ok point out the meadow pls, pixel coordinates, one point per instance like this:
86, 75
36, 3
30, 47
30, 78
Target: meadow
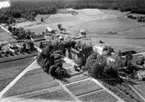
97, 23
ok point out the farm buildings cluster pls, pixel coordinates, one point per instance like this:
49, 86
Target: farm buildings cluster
74, 48
16, 48
80, 52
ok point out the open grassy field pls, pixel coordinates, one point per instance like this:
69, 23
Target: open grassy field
97, 23
73, 22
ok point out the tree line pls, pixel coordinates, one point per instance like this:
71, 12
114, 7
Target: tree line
21, 33
29, 9
16, 49
138, 18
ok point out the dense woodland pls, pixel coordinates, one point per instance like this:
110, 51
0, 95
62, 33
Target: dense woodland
29, 9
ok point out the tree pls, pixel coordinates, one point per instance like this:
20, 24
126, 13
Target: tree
41, 45
59, 26
96, 70
10, 28
42, 20
90, 61
31, 45
81, 60
24, 47
50, 59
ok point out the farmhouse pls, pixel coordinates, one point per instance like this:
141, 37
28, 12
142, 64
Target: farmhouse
98, 49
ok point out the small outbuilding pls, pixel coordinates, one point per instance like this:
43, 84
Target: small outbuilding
50, 30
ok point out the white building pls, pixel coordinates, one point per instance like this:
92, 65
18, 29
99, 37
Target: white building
48, 29
98, 49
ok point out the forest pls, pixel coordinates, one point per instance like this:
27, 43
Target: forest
29, 9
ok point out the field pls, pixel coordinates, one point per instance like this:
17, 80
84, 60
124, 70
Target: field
140, 88
9, 70
98, 24
101, 96
83, 87
37, 85
5, 37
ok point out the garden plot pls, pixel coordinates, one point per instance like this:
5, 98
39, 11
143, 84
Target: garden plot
140, 88
53, 94
100, 96
17, 63
56, 95
83, 87
36, 84
33, 80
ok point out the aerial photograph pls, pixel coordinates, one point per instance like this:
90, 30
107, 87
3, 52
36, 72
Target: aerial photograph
72, 50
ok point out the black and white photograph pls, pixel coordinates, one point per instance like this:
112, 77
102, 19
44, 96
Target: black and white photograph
72, 50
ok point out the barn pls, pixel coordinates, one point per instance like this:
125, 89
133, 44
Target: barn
98, 49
